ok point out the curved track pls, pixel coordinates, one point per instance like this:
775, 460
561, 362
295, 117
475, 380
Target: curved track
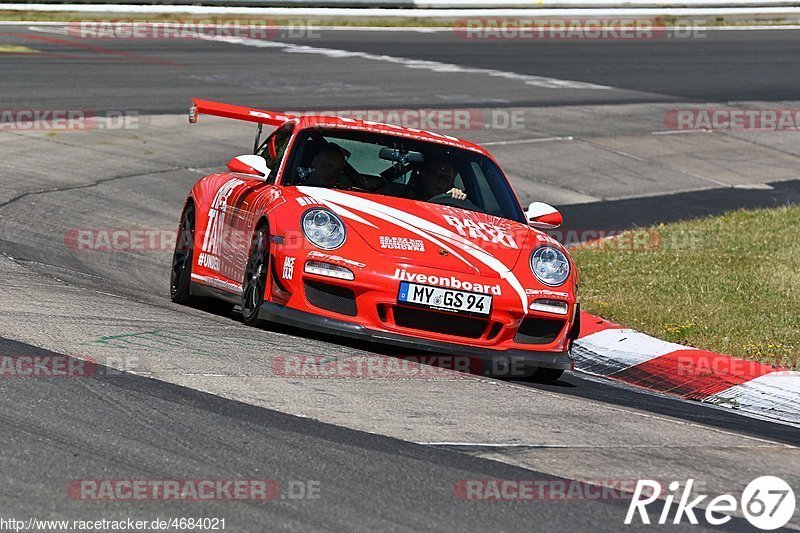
198, 397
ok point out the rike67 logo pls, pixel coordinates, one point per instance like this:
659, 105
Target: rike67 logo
768, 503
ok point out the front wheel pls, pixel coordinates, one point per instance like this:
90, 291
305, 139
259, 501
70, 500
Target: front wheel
255, 276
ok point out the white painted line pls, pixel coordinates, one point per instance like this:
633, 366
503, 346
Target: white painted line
423, 29
493, 445
620, 152
704, 178
57, 31
405, 12
754, 186
528, 141
604, 4
432, 66
751, 28
679, 132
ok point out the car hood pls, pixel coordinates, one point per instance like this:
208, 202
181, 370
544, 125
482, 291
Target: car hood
426, 234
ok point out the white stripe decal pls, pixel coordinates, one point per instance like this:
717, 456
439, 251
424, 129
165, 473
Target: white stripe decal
398, 217
346, 213
218, 282
625, 348
406, 226
500, 268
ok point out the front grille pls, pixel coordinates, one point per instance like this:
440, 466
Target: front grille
538, 331
444, 323
331, 297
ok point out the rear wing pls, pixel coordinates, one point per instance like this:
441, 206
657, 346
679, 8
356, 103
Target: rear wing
207, 107
237, 112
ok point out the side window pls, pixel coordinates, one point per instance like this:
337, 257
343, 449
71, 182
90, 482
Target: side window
274, 148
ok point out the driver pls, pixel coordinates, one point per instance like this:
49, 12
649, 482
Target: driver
326, 167
438, 177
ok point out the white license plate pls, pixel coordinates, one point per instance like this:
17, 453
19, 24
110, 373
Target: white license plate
445, 299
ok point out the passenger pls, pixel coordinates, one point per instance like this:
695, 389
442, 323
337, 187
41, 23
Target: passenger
438, 178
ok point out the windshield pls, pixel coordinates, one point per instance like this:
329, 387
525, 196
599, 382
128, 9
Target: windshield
394, 166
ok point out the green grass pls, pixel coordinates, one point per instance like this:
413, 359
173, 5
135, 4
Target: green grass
410, 21
729, 284
66, 16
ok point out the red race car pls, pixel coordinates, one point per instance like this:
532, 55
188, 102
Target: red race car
380, 232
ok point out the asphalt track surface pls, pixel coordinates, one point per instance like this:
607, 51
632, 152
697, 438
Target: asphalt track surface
127, 426
161, 75
56, 432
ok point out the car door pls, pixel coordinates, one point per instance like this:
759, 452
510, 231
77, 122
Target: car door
248, 203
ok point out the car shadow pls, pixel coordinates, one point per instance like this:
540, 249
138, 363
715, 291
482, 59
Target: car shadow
468, 364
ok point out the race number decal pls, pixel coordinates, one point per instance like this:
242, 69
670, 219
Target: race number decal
209, 256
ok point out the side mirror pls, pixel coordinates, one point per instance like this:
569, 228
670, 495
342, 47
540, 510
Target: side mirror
252, 165
543, 216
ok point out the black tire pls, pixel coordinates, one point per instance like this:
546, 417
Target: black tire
181, 273
255, 276
547, 375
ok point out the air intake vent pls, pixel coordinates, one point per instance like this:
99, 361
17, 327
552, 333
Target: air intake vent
538, 331
331, 297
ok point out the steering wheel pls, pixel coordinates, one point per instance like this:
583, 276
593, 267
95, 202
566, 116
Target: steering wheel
446, 199
356, 178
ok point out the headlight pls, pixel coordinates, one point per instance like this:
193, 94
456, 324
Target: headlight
324, 229
550, 265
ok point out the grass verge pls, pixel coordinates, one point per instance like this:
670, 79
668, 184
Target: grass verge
730, 284
354, 21
66, 16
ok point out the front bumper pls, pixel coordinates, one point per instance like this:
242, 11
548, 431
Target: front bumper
494, 358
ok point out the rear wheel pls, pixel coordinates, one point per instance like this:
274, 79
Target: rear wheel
181, 274
255, 276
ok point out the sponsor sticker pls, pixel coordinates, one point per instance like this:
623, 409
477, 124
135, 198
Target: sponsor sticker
288, 267
490, 233
450, 282
546, 292
402, 243
306, 201
335, 259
